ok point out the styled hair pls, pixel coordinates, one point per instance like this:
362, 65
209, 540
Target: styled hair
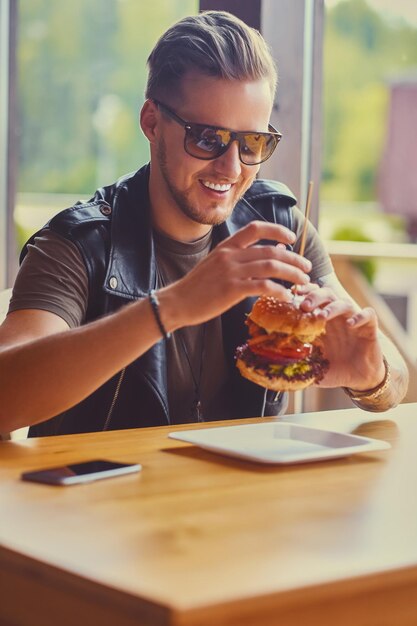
215, 43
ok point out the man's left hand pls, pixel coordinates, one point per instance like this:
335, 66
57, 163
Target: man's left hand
351, 340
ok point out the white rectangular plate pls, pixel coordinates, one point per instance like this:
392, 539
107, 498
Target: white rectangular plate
279, 442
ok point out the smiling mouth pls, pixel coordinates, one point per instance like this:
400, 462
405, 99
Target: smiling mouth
216, 186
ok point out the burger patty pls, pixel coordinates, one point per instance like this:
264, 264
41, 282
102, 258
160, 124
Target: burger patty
314, 366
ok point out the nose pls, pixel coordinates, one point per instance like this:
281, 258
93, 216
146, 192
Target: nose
229, 164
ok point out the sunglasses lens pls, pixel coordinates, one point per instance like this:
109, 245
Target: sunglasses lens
206, 143
255, 148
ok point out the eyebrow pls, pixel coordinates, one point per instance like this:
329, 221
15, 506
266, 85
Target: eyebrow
180, 120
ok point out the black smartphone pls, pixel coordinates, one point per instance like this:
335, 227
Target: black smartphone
81, 472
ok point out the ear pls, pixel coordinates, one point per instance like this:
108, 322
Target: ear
149, 120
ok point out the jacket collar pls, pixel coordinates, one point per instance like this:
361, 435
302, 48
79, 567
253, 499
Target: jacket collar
131, 269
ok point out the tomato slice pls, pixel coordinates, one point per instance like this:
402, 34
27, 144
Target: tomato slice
285, 352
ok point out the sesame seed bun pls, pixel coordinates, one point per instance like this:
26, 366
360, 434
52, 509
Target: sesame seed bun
285, 317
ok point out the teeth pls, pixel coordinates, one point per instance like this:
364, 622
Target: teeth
216, 186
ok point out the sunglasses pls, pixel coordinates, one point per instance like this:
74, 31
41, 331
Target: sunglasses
209, 142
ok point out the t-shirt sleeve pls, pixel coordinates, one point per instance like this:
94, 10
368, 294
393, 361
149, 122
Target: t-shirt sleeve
52, 277
315, 250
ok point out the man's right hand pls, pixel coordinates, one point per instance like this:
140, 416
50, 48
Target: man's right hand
237, 268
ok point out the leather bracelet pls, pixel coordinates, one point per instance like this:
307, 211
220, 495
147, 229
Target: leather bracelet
371, 394
153, 299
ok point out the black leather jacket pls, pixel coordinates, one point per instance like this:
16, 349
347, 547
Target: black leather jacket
114, 236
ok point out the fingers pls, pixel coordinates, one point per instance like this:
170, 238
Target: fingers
319, 298
363, 317
259, 262
266, 287
337, 308
255, 231
330, 306
270, 268
275, 253
303, 290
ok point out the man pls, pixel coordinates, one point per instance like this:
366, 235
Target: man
127, 309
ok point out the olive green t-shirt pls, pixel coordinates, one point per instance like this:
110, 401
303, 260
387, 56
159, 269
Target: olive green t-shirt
53, 277
196, 364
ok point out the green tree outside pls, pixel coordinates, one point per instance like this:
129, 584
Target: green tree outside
82, 72
81, 78
362, 52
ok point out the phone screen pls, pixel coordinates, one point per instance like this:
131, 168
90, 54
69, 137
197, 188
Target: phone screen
81, 472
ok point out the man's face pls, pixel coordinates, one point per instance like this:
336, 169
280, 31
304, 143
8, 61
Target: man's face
187, 181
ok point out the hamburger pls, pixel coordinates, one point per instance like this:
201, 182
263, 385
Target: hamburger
283, 352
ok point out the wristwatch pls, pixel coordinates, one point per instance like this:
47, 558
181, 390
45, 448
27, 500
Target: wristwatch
371, 395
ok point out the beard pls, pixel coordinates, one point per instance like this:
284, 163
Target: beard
212, 215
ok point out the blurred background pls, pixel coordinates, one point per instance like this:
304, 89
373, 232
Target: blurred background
81, 75
80, 70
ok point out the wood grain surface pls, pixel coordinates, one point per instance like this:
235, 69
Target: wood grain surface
198, 538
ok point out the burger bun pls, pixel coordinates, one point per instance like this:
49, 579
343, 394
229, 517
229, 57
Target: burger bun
275, 384
285, 317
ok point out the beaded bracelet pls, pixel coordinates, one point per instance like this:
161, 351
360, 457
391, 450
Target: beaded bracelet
153, 299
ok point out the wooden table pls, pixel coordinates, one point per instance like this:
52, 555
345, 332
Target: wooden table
206, 540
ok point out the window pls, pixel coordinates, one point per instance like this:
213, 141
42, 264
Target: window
81, 77
369, 187
370, 100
